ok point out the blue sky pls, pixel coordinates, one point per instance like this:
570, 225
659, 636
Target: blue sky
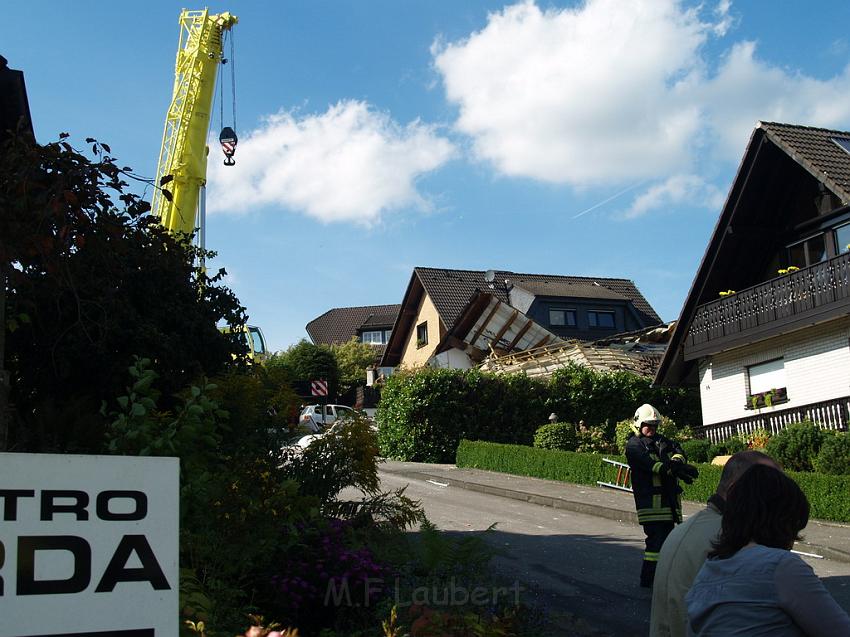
592, 138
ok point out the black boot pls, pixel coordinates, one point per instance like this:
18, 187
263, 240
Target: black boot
647, 574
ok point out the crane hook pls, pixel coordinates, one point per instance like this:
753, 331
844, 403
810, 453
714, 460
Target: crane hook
228, 141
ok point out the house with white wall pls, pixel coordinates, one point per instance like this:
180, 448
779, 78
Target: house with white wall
765, 328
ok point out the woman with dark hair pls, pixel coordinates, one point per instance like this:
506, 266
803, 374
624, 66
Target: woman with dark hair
752, 584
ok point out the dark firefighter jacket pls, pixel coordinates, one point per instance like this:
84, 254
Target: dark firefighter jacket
657, 493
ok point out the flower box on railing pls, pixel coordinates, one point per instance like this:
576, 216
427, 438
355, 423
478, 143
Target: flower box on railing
775, 396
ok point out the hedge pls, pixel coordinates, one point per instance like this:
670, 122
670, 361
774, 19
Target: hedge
425, 413
829, 495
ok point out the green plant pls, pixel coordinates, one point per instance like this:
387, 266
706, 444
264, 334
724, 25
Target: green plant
756, 439
829, 495
796, 446
667, 428
594, 440
556, 435
696, 450
834, 455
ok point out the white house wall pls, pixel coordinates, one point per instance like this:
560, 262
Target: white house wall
817, 368
451, 359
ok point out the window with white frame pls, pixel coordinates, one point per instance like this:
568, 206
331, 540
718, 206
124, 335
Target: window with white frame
376, 337
765, 377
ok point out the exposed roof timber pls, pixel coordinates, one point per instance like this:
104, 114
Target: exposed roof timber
487, 320
494, 341
520, 334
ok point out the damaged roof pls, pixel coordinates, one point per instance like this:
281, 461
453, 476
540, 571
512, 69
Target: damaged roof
450, 290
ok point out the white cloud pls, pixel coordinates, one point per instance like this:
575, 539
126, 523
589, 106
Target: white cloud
618, 91
676, 191
350, 163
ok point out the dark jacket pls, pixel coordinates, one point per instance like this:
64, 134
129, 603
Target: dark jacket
656, 491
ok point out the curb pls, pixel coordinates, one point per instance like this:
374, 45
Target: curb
600, 511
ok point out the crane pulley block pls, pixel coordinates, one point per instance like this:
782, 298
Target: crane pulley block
228, 141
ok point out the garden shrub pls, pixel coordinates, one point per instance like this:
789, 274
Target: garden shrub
726, 448
556, 435
594, 440
696, 450
828, 495
834, 455
796, 446
425, 413
756, 439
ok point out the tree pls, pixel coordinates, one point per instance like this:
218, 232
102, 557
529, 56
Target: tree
305, 361
353, 358
90, 285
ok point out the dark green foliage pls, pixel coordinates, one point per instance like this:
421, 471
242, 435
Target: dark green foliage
796, 446
725, 448
580, 393
696, 450
834, 455
829, 496
556, 435
424, 414
305, 362
95, 281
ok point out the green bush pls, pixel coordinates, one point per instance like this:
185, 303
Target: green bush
796, 446
556, 435
834, 455
829, 496
425, 413
726, 448
594, 440
696, 450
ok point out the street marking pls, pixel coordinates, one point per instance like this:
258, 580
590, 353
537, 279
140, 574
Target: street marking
439, 484
820, 557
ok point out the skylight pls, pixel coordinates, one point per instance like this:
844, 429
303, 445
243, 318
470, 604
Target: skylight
843, 143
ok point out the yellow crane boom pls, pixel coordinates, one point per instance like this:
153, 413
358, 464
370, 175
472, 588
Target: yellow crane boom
183, 154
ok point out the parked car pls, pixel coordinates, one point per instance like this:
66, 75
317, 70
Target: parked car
318, 417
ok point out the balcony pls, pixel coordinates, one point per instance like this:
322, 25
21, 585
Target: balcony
828, 414
808, 296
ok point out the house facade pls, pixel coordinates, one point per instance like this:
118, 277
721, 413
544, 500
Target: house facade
455, 318
765, 329
370, 324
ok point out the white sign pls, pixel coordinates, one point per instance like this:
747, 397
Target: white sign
88, 546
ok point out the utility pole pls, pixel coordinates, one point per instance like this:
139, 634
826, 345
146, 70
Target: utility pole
14, 115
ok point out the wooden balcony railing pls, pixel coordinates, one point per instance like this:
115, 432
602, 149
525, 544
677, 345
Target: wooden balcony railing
829, 414
789, 298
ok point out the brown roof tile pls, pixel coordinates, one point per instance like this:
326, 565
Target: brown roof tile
339, 324
450, 290
816, 151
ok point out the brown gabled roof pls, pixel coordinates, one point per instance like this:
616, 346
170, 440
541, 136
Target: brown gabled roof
339, 324
450, 290
815, 150
811, 148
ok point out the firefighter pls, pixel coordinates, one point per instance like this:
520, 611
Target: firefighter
657, 464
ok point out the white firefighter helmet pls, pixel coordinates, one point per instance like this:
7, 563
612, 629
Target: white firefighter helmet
646, 413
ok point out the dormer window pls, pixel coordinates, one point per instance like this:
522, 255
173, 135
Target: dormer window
562, 317
600, 318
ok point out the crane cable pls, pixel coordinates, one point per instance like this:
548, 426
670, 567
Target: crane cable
228, 137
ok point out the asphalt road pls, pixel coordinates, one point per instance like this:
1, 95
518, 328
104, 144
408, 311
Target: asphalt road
581, 569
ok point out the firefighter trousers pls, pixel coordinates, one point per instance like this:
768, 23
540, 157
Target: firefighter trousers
656, 533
